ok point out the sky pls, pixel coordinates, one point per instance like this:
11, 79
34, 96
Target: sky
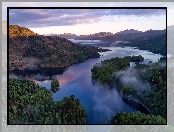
88, 21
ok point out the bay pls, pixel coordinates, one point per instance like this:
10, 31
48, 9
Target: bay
100, 102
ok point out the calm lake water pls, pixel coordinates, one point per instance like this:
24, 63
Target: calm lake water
99, 101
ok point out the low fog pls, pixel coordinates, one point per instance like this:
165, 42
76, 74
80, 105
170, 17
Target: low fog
107, 102
129, 77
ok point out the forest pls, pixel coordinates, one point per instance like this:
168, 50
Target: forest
156, 44
28, 49
144, 82
137, 118
103, 72
30, 103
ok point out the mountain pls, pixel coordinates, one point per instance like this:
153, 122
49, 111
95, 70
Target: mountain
156, 44
126, 35
28, 49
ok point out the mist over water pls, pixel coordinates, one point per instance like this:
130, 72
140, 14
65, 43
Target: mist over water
100, 102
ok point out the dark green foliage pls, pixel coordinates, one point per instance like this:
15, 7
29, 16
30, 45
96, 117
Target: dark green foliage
135, 58
31, 104
137, 118
70, 111
152, 93
54, 84
156, 44
103, 50
156, 97
59, 53
128, 90
103, 73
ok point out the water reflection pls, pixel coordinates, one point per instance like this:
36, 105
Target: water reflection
99, 101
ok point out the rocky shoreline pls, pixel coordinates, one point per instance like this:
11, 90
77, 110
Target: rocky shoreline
130, 100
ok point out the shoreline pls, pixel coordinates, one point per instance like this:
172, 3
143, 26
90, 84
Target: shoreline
46, 71
126, 98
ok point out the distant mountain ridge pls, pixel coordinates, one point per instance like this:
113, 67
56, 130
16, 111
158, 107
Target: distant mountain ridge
65, 35
126, 35
111, 36
129, 31
21, 45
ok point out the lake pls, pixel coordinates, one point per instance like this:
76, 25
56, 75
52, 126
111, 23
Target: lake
95, 42
85, 41
100, 102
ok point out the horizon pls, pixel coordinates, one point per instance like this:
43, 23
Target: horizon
87, 21
102, 32
95, 32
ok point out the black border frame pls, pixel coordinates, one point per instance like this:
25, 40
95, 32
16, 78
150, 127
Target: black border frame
8, 8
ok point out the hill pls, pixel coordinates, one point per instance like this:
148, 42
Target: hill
152, 40
65, 35
155, 44
28, 49
126, 35
16, 31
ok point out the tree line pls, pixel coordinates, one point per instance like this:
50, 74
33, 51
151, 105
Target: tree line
156, 44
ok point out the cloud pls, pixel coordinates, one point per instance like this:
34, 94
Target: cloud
33, 18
